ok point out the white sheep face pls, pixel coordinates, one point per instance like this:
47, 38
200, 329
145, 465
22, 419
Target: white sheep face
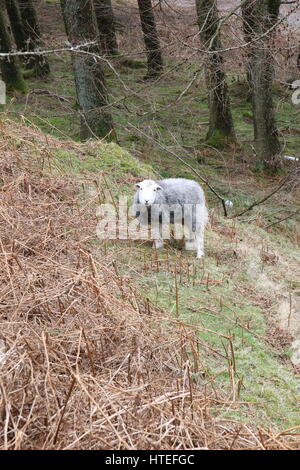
147, 190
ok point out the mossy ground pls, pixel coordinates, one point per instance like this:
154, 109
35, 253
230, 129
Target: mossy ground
95, 157
229, 301
235, 292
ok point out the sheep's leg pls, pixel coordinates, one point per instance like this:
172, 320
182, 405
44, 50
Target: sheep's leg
158, 244
200, 241
191, 244
190, 228
190, 238
202, 218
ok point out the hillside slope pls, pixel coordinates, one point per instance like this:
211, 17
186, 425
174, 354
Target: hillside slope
111, 345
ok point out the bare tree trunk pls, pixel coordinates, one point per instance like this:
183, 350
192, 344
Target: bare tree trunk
15, 20
96, 121
221, 130
66, 23
248, 27
154, 55
261, 15
10, 67
106, 27
33, 40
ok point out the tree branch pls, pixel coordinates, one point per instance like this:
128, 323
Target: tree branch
165, 148
257, 203
284, 218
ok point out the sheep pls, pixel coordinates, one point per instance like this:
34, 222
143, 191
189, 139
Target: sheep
175, 200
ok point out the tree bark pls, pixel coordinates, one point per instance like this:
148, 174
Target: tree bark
10, 67
106, 27
33, 41
221, 129
96, 121
261, 15
15, 20
248, 28
154, 54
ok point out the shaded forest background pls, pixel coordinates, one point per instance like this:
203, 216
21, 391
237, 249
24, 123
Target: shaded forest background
109, 344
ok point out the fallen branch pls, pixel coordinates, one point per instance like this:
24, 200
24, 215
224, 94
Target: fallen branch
44, 92
284, 218
264, 199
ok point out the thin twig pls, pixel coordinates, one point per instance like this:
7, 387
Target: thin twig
165, 148
264, 199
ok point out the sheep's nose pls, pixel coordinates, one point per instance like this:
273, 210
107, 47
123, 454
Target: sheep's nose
146, 202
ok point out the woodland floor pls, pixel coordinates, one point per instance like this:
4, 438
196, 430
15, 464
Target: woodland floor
223, 332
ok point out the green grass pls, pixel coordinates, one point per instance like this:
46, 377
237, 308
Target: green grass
157, 109
99, 156
246, 292
220, 298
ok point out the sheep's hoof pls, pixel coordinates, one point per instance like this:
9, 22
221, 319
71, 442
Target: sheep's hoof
158, 244
190, 245
200, 254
